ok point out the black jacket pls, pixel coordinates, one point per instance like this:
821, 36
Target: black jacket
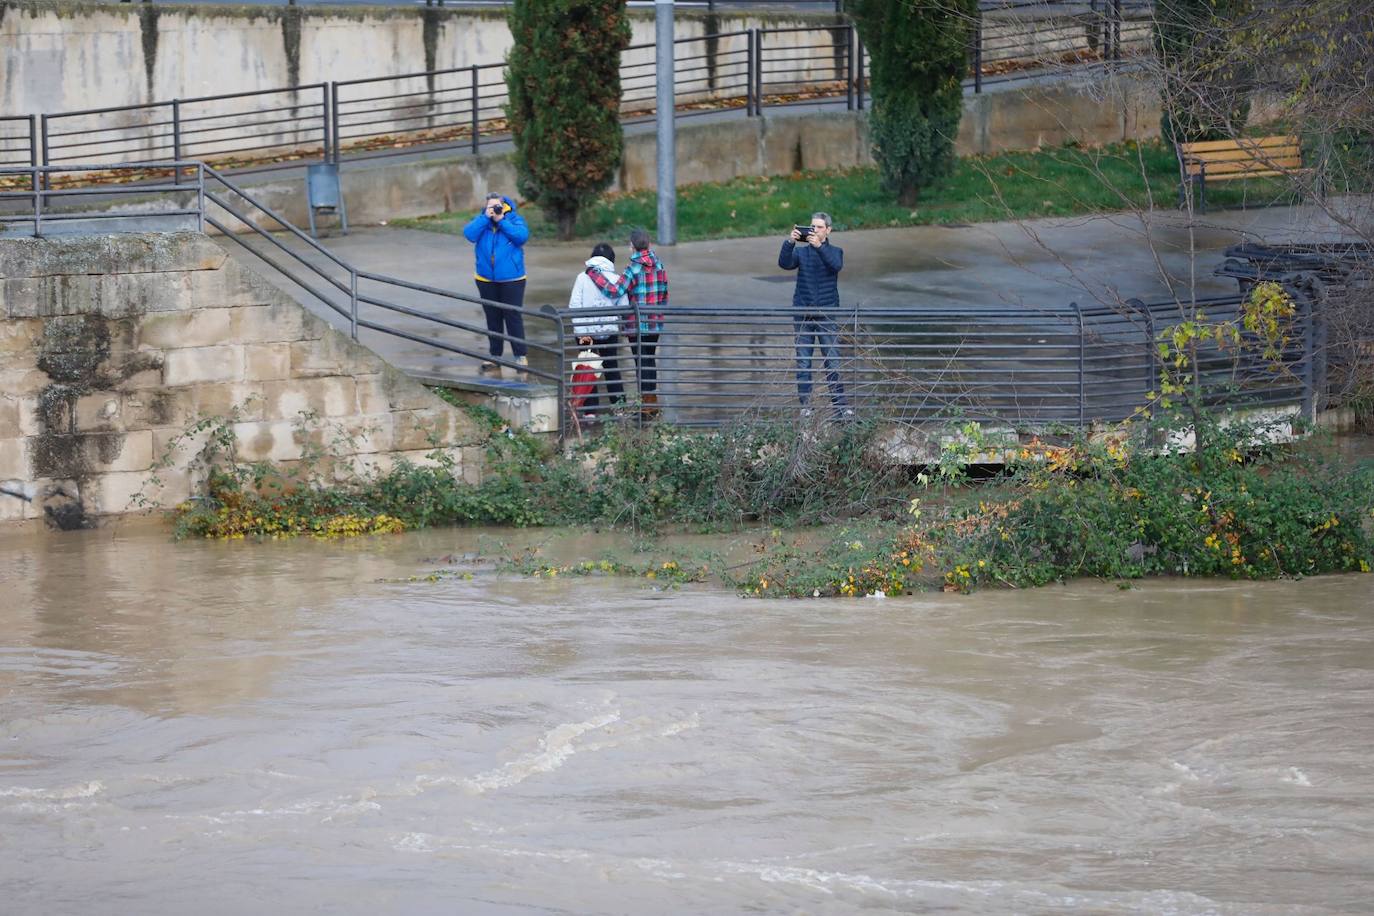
818, 274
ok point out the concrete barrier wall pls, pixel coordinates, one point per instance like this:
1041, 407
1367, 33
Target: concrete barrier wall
110, 346
722, 149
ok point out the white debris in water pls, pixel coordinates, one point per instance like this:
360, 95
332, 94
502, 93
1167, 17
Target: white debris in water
1297, 777
86, 790
878, 595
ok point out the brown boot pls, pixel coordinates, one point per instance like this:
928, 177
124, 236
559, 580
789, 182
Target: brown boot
649, 408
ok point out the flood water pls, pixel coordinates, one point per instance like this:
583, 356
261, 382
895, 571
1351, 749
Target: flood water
262, 728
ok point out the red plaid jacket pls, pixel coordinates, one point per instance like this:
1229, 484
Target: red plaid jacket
645, 281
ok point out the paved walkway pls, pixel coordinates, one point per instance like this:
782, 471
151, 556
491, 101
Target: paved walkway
1036, 263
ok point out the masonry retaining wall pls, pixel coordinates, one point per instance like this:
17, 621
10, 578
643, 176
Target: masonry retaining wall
111, 346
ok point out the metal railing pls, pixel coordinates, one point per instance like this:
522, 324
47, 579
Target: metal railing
361, 302
711, 365
1027, 367
748, 69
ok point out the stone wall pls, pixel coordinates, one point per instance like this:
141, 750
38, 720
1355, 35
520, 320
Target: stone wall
111, 346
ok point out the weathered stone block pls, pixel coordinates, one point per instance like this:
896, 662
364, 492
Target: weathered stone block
132, 490
270, 440
238, 402
365, 434
151, 407
203, 364
14, 459
325, 397
266, 361
10, 412
175, 330
474, 460
274, 323
332, 354
229, 287
109, 254
421, 429
130, 451
18, 341
99, 411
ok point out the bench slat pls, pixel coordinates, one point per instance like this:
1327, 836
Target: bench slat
1249, 165
1207, 146
1240, 155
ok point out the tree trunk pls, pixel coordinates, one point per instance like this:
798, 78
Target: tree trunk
908, 194
567, 220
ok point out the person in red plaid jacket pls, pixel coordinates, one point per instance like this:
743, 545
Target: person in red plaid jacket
645, 281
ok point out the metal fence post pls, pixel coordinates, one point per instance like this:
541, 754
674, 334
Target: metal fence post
200, 197
978, 55
758, 72
33, 139
324, 121
47, 180
859, 57
334, 119
750, 107
38, 203
476, 115
849, 76
353, 302
176, 140
1116, 30
637, 351
1082, 360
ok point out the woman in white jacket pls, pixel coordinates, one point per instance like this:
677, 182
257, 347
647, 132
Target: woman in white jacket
600, 332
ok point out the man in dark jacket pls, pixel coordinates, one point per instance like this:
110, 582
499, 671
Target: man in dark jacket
817, 296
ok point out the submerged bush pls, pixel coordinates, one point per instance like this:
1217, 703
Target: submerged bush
633, 478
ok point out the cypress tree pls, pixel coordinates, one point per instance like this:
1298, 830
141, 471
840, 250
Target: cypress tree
563, 74
919, 52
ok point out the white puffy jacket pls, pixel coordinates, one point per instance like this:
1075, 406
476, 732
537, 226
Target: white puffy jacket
586, 295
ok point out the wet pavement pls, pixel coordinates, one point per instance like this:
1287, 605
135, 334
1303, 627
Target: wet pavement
1035, 263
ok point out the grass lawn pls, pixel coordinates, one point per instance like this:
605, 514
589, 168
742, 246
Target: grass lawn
1061, 181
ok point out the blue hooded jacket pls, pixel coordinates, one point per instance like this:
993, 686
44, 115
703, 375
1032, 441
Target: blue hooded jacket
498, 246
818, 274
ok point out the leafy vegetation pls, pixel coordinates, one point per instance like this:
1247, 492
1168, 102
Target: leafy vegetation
1060, 181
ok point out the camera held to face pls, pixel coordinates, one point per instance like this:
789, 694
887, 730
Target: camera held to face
804, 231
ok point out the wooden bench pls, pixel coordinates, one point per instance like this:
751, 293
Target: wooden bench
1244, 157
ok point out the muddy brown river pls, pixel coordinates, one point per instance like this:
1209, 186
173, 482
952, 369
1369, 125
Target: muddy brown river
272, 728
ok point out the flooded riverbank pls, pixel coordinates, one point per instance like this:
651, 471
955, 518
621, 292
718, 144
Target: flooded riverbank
283, 726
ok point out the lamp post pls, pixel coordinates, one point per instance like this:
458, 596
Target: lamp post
667, 137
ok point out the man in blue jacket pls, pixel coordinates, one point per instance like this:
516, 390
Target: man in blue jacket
498, 235
816, 298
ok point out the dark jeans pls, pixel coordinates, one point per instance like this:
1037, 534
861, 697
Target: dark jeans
504, 321
607, 348
644, 347
818, 332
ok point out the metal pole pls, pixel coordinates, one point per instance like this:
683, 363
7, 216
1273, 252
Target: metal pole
353, 303
859, 57
978, 55
37, 204
1082, 358
43, 122
849, 74
200, 197
324, 121
334, 118
667, 136
476, 119
749, 111
176, 139
33, 139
